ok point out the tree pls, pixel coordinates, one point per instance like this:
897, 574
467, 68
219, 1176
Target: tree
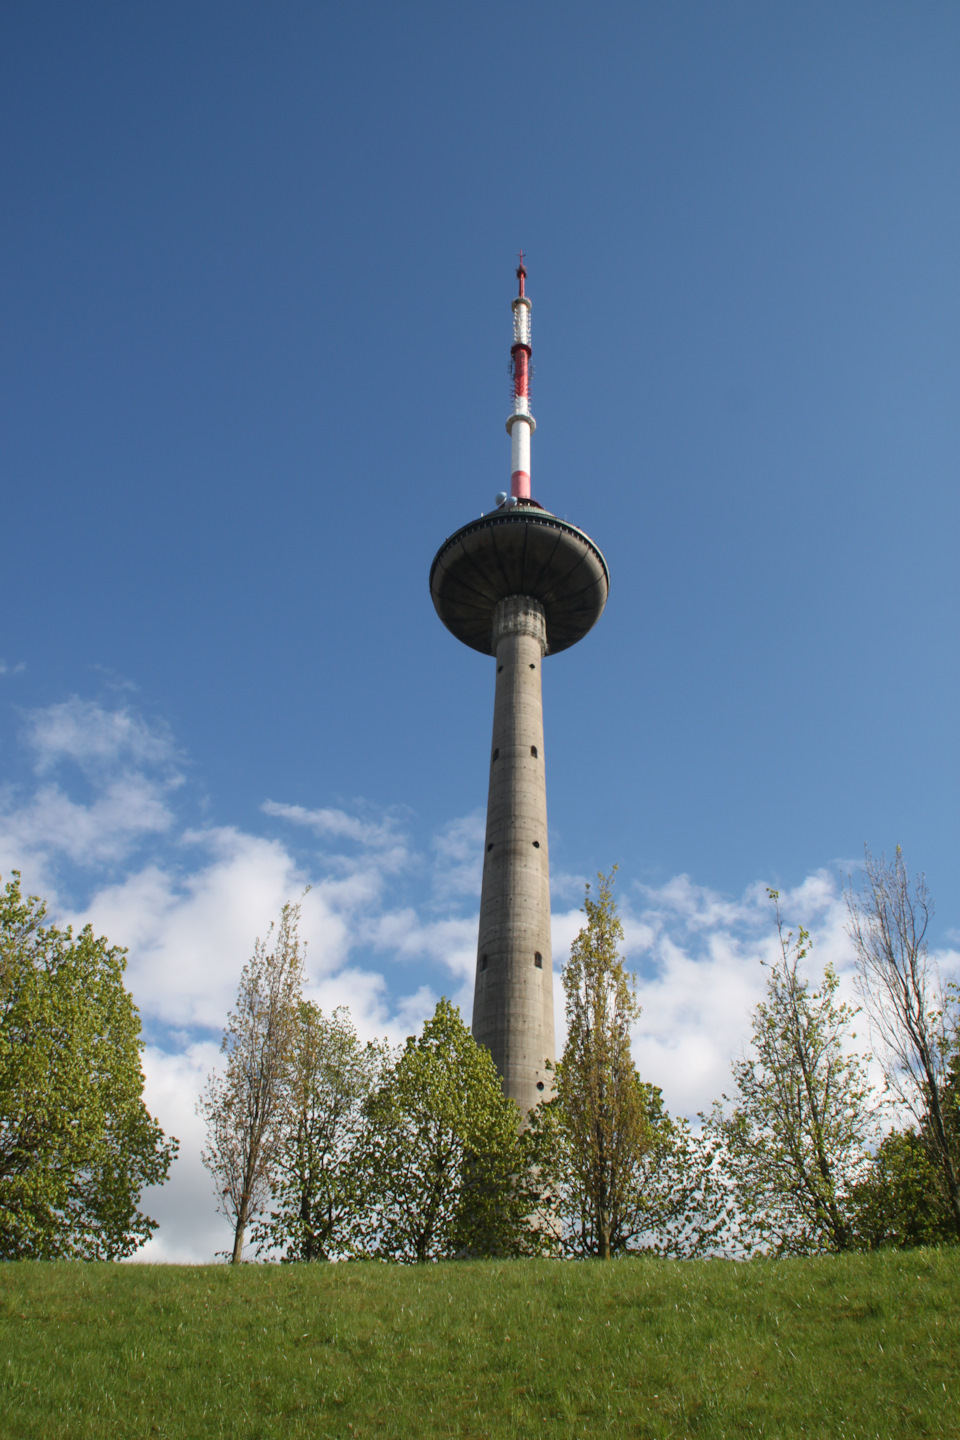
316, 1188
667, 1206
615, 1172
916, 1021
604, 1124
796, 1144
244, 1105
442, 1156
77, 1144
899, 1205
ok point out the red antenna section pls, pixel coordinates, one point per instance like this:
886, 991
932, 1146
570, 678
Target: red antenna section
521, 424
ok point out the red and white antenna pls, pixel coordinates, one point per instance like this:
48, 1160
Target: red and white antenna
521, 424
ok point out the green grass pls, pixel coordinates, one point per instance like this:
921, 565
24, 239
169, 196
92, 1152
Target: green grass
840, 1347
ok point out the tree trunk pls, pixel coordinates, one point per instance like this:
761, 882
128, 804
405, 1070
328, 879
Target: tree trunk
941, 1144
238, 1233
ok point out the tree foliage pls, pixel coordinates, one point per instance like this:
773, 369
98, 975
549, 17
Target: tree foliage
77, 1144
666, 1207
442, 1154
795, 1146
317, 1190
615, 1172
601, 1102
916, 1020
244, 1106
899, 1204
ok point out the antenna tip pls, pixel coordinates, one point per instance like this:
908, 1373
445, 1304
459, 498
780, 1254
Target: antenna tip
521, 272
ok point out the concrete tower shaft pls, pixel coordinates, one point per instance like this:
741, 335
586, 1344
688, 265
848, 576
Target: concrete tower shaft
513, 996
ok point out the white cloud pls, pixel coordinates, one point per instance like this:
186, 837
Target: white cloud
190, 1229
189, 934
458, 857
127, 766
695, 907
336, 823
127, 808
697, 956
95, 738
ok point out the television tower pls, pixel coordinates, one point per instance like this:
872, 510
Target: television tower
518, 584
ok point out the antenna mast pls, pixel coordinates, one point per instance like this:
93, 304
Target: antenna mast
520, 424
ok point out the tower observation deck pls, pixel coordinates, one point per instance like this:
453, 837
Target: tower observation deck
518, 584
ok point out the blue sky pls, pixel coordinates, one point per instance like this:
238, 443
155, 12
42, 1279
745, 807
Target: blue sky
255, 329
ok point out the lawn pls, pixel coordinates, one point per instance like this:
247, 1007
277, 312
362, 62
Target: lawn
866, 1345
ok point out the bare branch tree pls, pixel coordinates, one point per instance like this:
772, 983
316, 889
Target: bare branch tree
244, 1105
908, 1008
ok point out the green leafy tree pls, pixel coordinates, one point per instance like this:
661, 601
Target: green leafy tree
667, 1205
913, 1016
245, 1105
317, 1192
903, 1201
899, 1204
442, 1158
796, 1144
604, 1139
77, 1144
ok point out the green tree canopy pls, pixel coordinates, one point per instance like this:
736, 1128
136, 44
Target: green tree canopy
77, 1145
899, 1204
442, 1156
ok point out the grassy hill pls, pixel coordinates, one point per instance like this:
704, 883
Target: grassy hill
840, 1347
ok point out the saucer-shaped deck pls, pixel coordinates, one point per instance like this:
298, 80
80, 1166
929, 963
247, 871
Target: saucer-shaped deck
519, 551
